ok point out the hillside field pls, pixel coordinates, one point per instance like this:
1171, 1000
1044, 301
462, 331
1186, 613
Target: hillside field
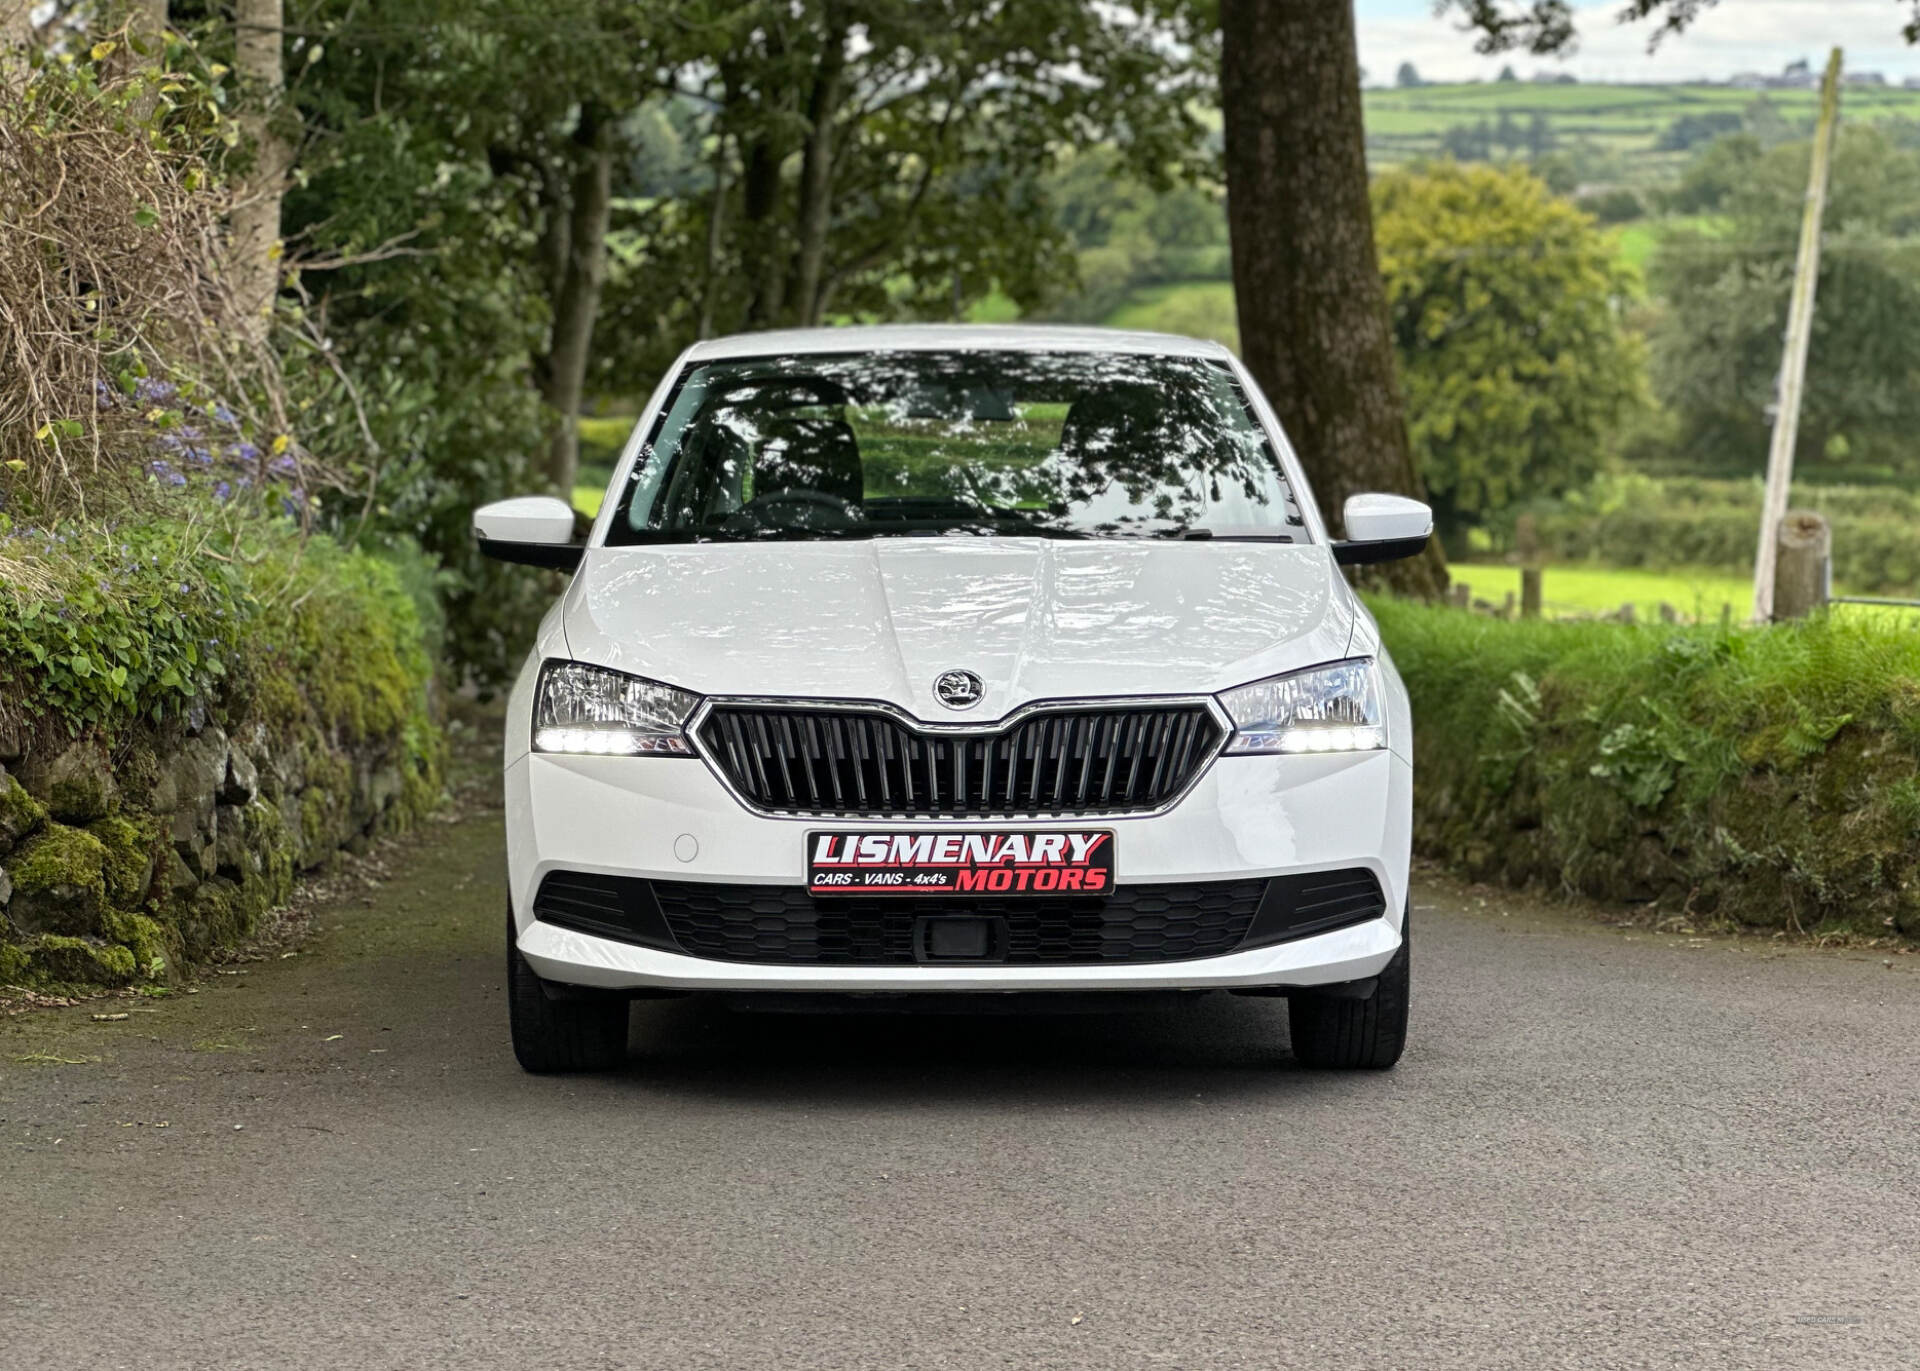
1405, 125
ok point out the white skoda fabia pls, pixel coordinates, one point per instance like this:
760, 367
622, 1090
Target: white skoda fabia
954, 662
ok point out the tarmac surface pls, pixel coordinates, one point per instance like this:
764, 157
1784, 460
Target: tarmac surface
1604, 1147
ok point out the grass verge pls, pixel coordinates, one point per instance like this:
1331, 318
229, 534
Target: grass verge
1770, 777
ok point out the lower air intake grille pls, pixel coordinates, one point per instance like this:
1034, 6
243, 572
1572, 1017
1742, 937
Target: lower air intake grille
784, 924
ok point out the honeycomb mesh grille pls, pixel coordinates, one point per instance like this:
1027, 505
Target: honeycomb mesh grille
786, 925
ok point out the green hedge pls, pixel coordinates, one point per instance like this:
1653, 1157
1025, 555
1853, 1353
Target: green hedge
1697, 522
105, 627
1766, 776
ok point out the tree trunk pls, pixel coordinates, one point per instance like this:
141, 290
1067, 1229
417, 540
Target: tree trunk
256, 214
760, 230
1313, 311
816, 173
716, 238
577, 304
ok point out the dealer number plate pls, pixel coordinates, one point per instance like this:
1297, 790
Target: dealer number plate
1003, 862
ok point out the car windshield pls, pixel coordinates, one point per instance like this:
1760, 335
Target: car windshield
1008, 444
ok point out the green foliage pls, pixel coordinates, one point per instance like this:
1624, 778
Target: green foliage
1617, 206
1715, 175
1717, 346
446, 142
1635, 520
1504, 310
1762, 775
142, 622
1196, 309
1690, 130
1130, 237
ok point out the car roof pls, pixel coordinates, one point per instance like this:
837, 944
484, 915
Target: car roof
953, 338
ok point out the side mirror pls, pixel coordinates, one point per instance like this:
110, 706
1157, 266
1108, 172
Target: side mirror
1383, 528
535, 530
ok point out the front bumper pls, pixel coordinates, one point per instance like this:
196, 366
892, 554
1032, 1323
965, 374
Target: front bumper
671, 819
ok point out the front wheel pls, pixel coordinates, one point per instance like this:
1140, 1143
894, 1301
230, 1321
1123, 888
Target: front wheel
555, 1035
1349, 1034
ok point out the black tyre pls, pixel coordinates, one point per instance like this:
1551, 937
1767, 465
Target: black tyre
1349, 1034
553, 1035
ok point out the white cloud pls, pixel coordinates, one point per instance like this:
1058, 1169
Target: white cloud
1737, 35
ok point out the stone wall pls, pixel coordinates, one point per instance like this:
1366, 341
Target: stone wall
135, 859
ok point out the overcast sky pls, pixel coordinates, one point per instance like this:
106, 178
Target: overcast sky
1737, 35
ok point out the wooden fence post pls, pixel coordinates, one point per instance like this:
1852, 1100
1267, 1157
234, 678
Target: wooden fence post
1801, 570
1530, 592
1526, 547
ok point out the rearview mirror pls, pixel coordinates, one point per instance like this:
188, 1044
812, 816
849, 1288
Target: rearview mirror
534, 530
1383, 528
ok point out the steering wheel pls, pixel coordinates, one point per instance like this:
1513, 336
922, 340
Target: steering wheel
813, 508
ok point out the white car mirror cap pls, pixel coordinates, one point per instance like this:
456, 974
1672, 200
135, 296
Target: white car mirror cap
535, 530
1383, 528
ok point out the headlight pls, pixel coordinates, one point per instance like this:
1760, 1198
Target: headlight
589, 709
1334, 708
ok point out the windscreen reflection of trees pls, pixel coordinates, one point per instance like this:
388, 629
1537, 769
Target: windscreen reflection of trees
1083, 444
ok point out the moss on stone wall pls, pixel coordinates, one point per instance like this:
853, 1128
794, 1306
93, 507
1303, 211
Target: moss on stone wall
266, 715
20, 813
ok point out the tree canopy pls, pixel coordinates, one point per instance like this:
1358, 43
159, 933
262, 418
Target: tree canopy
1717, 348
1505, 306
504, 207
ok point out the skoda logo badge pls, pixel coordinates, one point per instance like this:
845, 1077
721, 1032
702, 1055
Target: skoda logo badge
959, 689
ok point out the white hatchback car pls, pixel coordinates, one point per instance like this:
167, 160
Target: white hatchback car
960, 660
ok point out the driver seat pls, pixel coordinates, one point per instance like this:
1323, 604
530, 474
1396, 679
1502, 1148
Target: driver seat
810, 454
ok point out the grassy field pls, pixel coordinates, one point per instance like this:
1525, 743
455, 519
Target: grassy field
1571, 591
1403, 125
1194, 309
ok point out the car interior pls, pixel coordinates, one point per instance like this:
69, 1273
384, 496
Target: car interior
802, 454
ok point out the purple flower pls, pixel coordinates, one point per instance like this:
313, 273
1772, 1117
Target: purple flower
284, 464
222, 491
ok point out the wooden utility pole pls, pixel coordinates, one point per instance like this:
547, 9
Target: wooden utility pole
1793, 361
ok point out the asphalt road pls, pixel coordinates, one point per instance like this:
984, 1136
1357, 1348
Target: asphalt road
1602, 1149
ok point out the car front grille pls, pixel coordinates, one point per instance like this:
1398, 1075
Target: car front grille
1111, 759
784, 925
